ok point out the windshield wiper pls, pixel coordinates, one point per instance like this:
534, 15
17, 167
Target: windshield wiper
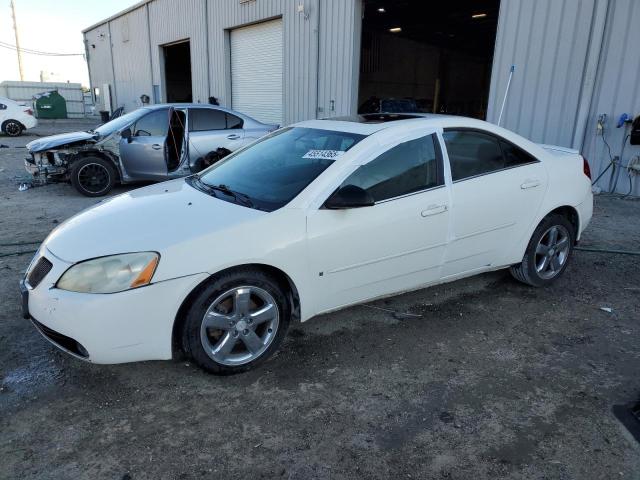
239, 197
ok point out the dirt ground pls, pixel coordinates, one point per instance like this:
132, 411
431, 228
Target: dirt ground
494, 380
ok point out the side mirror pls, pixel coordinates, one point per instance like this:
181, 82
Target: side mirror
126, 134
349, 196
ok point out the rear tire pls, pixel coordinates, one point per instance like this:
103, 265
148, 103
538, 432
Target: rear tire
236, 322
548, 252
12, 128
93, 176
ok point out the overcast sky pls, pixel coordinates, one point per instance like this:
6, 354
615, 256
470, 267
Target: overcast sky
51, 26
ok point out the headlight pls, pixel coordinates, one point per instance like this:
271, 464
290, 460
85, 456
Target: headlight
112, 274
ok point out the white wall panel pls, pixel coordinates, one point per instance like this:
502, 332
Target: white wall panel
256, 71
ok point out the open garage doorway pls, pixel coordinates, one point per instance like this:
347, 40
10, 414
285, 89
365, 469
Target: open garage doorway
435, 57
177, 72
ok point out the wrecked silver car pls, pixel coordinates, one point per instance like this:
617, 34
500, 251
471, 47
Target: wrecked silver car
153, 143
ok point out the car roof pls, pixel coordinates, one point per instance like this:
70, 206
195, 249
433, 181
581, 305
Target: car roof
371, 123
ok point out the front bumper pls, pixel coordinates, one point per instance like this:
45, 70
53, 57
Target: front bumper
129, 326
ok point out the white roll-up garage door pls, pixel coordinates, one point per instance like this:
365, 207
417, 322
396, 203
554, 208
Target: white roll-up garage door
256, 71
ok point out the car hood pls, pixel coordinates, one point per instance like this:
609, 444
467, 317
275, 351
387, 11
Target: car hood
56, 141
154, 218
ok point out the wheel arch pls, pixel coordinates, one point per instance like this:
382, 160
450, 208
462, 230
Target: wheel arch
101, 154
570, 213
282, 278
567, 211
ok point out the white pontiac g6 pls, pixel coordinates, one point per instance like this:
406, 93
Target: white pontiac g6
310, 218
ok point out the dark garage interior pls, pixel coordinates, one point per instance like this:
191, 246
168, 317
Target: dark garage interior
436, 54
177, 71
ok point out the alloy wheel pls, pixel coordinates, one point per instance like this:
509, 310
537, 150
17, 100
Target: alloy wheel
94, 178
12, 129
239, 325
552, 252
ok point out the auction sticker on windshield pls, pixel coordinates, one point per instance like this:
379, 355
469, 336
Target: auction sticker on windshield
323, 154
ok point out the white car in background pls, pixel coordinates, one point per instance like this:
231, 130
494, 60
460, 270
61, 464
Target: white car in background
309, 219
15, 118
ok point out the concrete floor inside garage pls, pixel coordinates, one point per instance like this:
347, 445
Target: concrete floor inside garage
492, 380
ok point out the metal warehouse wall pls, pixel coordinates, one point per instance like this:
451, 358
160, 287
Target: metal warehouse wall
172, 21
574, 60
617, 91
131, 65
547, 41
98, 48
321, 50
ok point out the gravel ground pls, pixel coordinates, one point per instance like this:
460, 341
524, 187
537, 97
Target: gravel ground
494, 380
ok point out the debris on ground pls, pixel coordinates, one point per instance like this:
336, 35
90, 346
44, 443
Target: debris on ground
606, 309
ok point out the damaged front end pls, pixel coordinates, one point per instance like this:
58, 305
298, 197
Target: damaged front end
50, 165
50, 158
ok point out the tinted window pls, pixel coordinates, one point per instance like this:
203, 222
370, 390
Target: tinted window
514, 156
154, 124
125, 120
278, 167
207, 119
472, 153
3, 106
409, 167
233, 121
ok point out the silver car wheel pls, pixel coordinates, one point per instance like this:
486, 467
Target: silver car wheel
552, 252
239, 325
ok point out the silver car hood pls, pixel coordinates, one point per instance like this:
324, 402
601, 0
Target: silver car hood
56, 141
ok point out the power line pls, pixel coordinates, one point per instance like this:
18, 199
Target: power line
38, 52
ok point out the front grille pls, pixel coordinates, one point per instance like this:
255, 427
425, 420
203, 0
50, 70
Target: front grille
62, 341
39, 271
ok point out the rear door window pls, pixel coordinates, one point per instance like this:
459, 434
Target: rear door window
472, 153
514, 156
233, 122
407, 168
203, 119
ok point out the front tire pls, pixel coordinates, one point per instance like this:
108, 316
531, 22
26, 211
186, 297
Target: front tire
12, 128
93, 176
236, 322
548, 252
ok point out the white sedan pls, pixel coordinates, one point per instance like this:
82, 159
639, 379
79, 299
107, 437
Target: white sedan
309, 219
15, 117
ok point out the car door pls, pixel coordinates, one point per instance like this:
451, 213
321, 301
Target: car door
395, 245
143, 154
496, 191
210, 129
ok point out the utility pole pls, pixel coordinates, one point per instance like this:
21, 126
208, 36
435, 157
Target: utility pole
15, 28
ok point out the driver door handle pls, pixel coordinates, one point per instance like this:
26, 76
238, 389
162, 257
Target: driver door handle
156, 146
434, 210
530, 183
233, 136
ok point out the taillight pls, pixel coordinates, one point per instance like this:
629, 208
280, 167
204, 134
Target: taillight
28, 111
585, 168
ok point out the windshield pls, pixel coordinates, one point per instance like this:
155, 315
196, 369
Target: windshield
273, 171
120, 122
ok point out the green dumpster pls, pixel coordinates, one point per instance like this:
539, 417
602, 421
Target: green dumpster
50, 105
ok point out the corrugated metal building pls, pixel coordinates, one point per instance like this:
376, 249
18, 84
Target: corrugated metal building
288, 60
